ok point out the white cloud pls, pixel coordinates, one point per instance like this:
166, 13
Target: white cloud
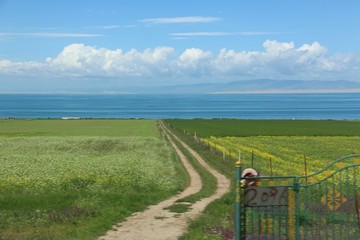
79, 59
22, 68
110, 27
201, 34
258, 33
230, 62
192, 19
194, 62
215, 34
107, 27
275, 46
281, 60
49, 35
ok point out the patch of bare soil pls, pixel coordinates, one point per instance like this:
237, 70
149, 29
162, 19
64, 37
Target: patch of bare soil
158, 223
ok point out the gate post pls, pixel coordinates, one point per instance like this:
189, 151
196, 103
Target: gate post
297, 207
238, 223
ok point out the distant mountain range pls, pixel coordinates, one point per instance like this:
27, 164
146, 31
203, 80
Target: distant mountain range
259, 86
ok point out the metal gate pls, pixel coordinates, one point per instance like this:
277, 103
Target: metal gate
323, 205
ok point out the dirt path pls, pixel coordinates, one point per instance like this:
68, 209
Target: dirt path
157, 223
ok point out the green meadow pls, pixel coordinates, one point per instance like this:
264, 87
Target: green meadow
57, 127
74, 179
246, 128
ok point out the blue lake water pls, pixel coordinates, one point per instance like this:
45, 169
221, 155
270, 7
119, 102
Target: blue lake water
242, 106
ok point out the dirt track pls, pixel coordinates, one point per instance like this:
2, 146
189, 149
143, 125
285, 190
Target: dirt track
157, 223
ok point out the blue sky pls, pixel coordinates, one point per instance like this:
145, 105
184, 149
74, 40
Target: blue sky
92, 45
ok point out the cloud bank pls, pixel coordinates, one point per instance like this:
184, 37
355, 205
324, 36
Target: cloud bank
277, 60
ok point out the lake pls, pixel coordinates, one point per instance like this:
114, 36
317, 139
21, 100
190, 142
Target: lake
187, 106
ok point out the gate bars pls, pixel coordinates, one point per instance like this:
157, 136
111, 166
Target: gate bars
323, 205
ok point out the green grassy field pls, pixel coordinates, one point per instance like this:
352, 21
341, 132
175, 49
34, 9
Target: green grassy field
57, 127
70, 179
244, 128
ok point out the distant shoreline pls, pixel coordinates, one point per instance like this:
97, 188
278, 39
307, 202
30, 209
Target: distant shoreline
291, 91
300, 91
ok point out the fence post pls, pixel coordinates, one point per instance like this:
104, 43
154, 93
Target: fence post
238, 223
252, 158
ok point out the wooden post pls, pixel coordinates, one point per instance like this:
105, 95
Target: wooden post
238, 217
252, 158
305, 168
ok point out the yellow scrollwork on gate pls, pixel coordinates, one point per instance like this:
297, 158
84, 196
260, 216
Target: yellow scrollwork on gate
333, 200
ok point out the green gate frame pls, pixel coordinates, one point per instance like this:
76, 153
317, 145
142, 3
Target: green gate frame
322, 205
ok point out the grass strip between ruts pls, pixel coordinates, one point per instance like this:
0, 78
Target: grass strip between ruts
209, 181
